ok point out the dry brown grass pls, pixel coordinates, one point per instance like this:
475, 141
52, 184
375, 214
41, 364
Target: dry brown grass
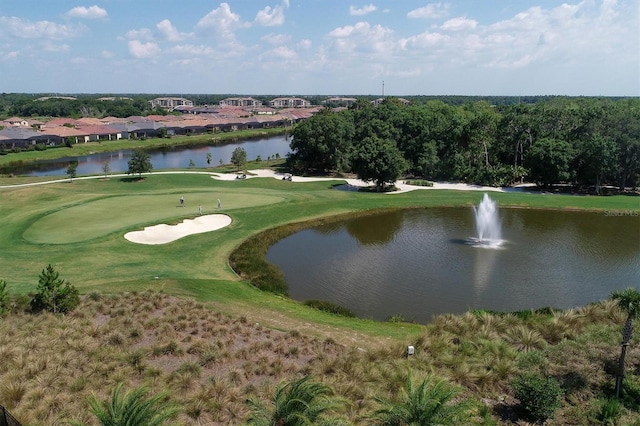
210, 363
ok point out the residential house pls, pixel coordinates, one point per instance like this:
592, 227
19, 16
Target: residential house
15, 121
22, 137
61, 134
99, 132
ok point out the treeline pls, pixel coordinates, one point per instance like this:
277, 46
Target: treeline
25, 105
586, 142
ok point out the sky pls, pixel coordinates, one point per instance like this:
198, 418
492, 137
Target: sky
321, 47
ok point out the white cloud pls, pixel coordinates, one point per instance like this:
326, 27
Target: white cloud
169, 32
363, 38
107, 54
305, 44
19, 28
281, 52
364, 10
49, 46
92, 12
143, 50
276, 38
430, 11
424, 40
270, 16
141, 34
459, 24
189, 50
223, 23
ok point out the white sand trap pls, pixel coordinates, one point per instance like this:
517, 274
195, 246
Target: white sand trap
357, 183
162, 234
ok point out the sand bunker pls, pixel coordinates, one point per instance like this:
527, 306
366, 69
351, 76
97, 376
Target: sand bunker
355, 184
162, 234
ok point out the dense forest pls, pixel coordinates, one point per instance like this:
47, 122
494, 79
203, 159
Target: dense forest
585, 142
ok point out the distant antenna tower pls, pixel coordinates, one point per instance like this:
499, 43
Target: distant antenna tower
383, 88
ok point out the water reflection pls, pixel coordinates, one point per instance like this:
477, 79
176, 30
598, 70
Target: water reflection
483, 263
176, 157
420, 265
375, 229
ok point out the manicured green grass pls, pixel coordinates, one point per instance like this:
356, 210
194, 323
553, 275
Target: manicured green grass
78, 227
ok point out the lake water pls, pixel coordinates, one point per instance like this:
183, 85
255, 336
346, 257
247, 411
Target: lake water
419, 263
178, 157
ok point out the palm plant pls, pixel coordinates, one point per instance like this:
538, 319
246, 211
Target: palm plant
133, 408
298, 403
629, 301
428, 403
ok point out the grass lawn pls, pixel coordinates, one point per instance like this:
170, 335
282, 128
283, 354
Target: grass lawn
79, 227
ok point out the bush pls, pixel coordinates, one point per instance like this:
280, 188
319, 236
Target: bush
4, 297
610, 412
326, 306
418, 182
54, 294
396, 318
20, 303
539, 396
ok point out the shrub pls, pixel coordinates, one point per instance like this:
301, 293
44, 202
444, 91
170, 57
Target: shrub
326, 306
418, 182
135, 407
631, 391
54, 294
396, 318
4, 297
539, 396
20, 303
610, 411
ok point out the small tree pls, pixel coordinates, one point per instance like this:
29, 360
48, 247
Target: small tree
106, 168
191, 164
629, 301
139, 163
299, 403
133, 408
431, 402
239, 157
209, 158
4, 297
72, 170
54, 294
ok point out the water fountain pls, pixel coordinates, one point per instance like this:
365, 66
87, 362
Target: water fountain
488, 226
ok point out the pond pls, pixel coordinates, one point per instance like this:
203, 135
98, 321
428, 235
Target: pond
178, 157
419, 263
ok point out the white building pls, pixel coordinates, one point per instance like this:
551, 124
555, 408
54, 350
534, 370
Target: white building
240, 102
170, 103
289, 103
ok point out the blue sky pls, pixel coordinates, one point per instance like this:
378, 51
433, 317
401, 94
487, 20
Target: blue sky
325, 47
